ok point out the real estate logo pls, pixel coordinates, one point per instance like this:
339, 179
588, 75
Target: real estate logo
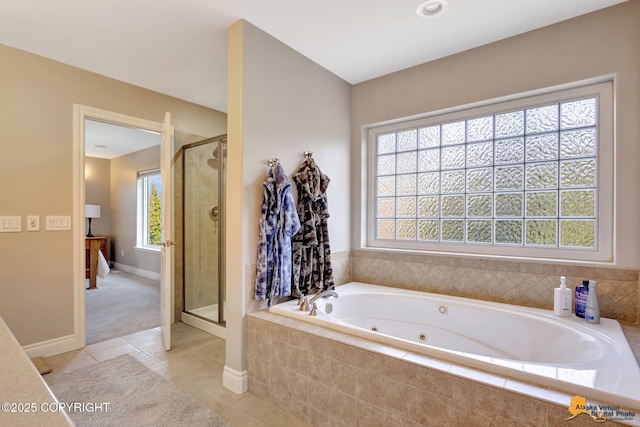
599, 413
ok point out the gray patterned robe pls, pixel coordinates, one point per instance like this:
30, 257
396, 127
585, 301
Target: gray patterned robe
312, 269
278, 222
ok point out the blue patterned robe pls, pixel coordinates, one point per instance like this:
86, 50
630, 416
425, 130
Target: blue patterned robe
278, 222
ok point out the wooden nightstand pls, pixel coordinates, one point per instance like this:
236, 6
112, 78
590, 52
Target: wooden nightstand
92, 246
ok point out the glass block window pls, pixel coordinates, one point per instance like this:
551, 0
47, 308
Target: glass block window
517, 177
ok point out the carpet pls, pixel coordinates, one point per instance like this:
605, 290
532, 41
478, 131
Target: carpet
136, 396
122, 304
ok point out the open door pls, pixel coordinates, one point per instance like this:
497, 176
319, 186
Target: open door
166, 263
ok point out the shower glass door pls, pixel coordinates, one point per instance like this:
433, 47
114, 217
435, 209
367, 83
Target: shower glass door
203, 221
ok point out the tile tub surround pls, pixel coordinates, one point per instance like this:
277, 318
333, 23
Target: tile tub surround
513, 282
332, 379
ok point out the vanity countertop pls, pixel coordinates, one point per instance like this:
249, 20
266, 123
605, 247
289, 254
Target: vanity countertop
25, 398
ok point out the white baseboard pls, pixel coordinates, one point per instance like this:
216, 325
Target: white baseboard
52, 347
137, 271
236, 381
203, 325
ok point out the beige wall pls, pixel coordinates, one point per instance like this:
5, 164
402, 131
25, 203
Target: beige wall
124, 208
292, 105
602, 43
36, 268
281, 104
97, 191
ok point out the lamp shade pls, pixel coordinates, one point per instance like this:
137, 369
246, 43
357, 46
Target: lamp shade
92, 211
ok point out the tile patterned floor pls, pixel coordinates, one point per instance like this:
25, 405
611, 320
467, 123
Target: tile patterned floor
194, 364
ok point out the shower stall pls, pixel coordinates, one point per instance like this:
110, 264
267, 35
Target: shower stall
203, 221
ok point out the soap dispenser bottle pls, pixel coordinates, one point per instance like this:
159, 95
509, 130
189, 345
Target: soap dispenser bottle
592, 309
562, 299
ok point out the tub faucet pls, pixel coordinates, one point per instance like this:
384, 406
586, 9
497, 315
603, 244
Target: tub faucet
324, 294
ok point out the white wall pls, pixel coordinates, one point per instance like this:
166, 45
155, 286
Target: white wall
281, 105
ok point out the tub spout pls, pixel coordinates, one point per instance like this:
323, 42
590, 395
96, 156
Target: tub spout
324, 294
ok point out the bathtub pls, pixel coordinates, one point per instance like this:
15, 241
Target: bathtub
563, 353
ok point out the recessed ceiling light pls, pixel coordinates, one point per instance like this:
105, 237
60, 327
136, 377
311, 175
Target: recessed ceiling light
431, 8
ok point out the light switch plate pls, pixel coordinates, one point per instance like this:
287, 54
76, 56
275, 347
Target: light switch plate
58, 223
33, 223
10, 224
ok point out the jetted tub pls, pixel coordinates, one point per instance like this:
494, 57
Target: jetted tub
563, 353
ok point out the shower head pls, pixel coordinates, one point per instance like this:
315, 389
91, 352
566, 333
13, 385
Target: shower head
216, 151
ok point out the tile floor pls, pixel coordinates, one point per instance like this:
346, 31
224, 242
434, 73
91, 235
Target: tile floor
194, 364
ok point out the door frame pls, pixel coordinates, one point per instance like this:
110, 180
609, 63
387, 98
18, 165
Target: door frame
80, 114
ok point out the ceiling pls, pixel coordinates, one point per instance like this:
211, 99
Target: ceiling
179, 48
108, 141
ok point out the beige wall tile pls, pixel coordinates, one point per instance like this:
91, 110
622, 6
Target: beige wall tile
297, 359
343, 353
370, 361
343, 377
524, 410
434, 409
370, 387
462, 416
319, 368
320, 396
392, 419
400, 398
480, 396
259, 369
278, 379
318, 418
298, 386
368, 415
435, 382
400, 370
343, 407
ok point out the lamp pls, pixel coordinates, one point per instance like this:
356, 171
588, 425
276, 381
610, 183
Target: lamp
91, 211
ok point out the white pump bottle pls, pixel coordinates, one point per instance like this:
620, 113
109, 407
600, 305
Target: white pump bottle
562, 299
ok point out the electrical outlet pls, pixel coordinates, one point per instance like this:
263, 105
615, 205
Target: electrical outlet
33, 223
122, 252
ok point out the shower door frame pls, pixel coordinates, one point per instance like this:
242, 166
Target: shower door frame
222, 140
